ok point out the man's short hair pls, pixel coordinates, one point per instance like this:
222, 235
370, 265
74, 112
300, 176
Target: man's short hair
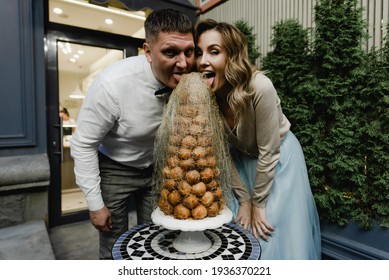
167, 20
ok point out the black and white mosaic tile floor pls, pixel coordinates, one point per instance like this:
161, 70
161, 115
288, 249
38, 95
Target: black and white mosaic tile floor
150, 242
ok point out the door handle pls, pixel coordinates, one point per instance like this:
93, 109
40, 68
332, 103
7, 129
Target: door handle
60, 127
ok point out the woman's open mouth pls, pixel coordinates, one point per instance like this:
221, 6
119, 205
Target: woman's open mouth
210, 76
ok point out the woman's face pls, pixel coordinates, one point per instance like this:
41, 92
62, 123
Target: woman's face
211, 58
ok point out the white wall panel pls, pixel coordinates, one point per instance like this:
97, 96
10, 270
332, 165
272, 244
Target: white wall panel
264, 14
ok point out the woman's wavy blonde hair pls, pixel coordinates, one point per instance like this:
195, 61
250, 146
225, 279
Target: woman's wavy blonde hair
238, 71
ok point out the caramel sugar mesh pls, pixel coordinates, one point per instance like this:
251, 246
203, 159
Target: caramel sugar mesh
190, 150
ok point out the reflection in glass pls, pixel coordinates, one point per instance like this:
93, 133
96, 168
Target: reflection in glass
77, 67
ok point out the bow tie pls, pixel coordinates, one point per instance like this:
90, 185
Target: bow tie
162, 91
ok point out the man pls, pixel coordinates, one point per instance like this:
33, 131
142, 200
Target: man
113, 144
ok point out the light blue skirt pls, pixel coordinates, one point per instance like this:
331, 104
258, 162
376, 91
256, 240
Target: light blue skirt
290, 208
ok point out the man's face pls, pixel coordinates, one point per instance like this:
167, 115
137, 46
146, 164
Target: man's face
170, 56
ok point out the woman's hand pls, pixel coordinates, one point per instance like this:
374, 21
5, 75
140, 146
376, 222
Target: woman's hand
260, 226
101, 219
244, 215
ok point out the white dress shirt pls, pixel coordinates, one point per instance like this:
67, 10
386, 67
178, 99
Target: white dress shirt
119, 118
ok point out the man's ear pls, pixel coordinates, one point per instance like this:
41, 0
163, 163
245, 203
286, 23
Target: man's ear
147, 51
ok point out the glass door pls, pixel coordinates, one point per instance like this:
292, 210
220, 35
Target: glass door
74, 57
78, 64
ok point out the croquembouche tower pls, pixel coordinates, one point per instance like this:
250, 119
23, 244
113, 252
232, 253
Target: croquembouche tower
191, 165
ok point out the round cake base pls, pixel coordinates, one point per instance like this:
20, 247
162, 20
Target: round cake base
191, 239
192, 242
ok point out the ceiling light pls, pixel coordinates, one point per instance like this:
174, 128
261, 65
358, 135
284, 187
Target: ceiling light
73, 60
108, 21
58, 11
77, 96
108, 10
68, 47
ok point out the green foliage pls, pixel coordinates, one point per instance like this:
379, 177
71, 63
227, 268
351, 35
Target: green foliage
289, 68
336, 97
247, 30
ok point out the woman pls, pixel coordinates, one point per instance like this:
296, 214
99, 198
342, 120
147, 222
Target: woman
67, 122
273, 195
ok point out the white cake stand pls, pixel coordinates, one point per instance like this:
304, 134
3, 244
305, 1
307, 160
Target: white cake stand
192, 238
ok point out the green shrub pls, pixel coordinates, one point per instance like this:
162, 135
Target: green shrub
247, 30
336, 97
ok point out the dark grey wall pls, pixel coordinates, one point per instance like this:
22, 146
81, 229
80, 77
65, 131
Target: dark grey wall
22, 91
24, 165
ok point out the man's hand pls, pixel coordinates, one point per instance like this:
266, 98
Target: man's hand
101, 219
